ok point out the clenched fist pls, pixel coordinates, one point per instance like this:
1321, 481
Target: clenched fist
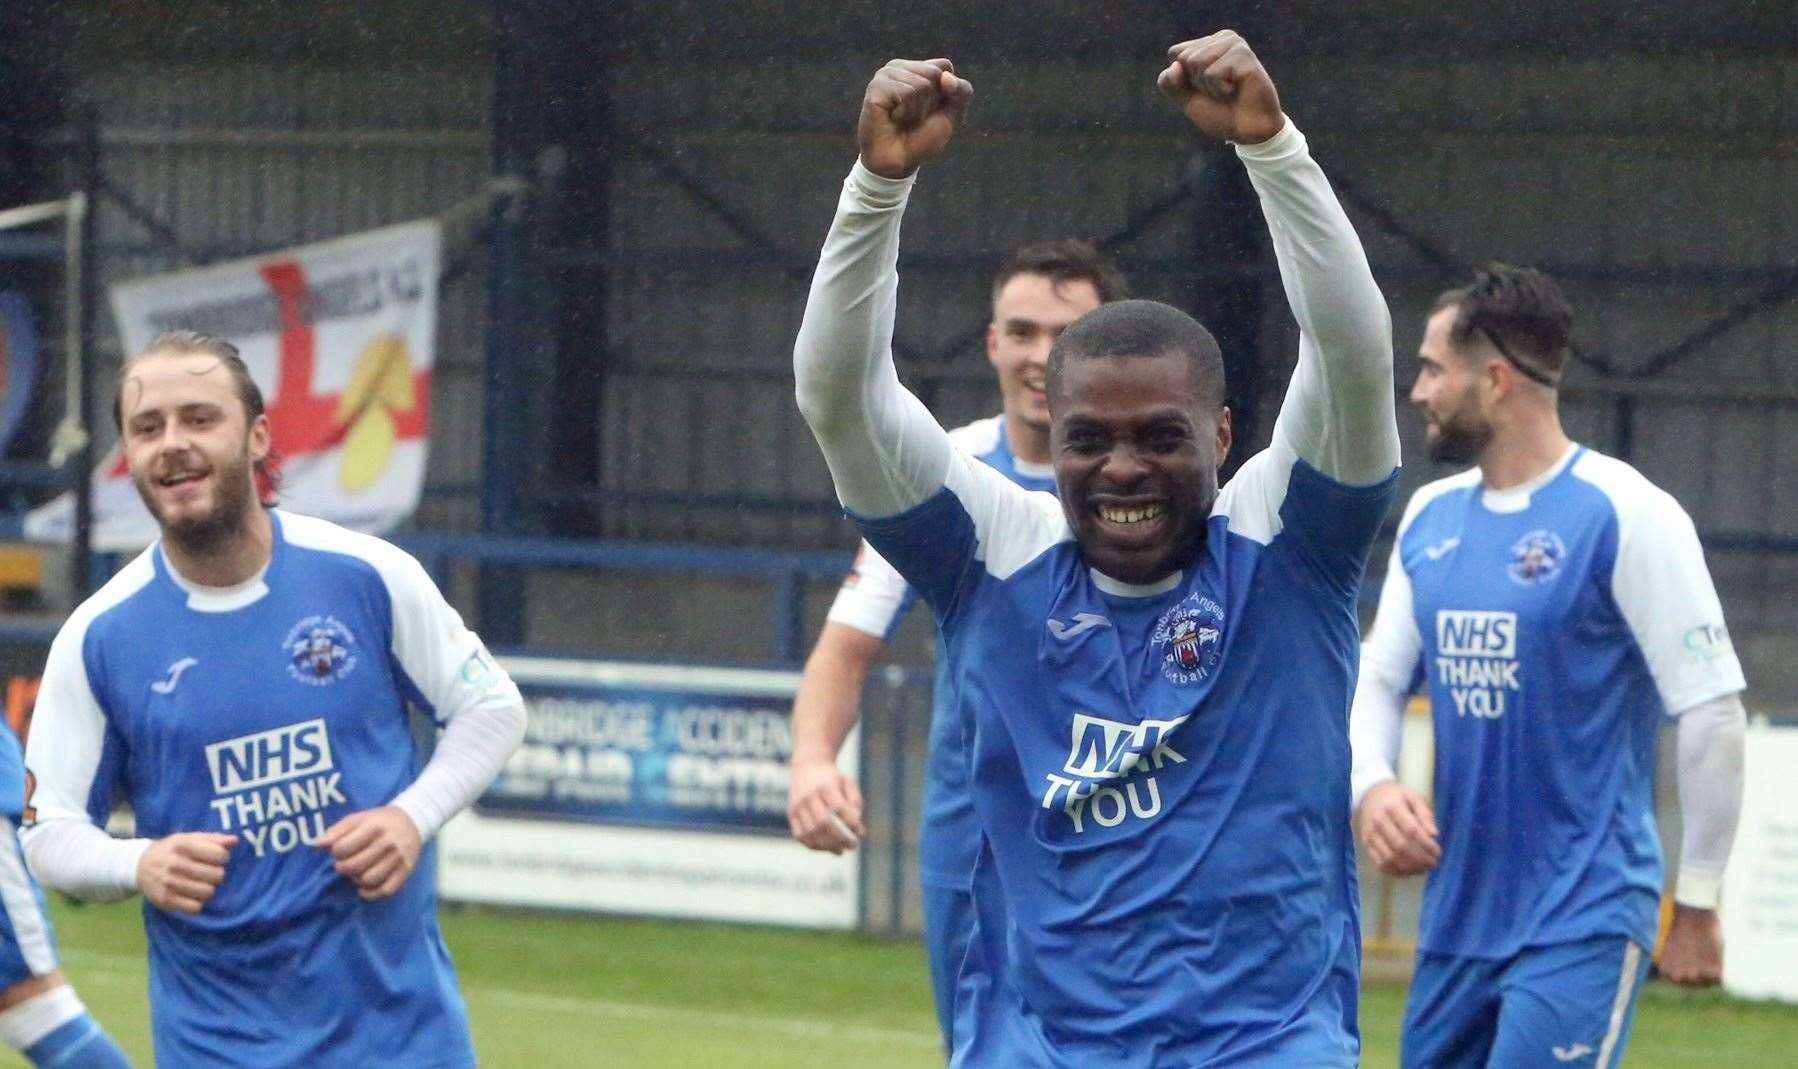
180, 872
911, 109
375, 849
1398, 830
1223, 89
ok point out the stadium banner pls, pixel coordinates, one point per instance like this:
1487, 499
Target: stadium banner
341, 338
18, 365
653, 789
1760, 889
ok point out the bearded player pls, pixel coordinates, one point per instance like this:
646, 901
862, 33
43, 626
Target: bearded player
246, 685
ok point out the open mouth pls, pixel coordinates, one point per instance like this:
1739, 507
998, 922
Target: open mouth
1131, 515
180, 478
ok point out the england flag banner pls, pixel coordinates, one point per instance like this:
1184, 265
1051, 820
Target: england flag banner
340, 337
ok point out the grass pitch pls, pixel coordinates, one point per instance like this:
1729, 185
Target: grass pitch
556, 990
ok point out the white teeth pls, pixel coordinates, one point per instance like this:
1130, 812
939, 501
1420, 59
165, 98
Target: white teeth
1130, 515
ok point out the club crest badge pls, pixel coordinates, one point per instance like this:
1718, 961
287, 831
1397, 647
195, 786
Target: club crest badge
1190, 639
1536, 558
320, 650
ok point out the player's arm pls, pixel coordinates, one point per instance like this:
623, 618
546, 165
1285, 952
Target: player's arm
449, 671
824, 809
1396, 825
1709, 773
1664, 591
1339, 410
74, 761
886, 452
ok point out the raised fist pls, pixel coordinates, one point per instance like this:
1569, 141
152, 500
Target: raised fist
909, 112
1223, 88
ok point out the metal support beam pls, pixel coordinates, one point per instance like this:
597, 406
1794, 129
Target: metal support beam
82, 263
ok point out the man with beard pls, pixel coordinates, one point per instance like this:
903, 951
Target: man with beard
1154, 675
1039, 291
1557, 605
245, 686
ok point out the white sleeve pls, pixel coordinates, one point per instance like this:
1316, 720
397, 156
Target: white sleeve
471, 696
1664, 591
1388, 662
79, 859
1710, 796
871, 597
1339, 409
885, 450
64, 843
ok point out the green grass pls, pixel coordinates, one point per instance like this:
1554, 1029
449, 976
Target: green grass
556, 990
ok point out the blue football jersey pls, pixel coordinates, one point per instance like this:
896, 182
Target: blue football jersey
1553, 625
874, 600
269, 711
1160, 773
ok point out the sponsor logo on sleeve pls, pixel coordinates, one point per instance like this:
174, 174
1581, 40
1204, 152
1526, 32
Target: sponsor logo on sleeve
271, 788
1536, 558
478, 672
1476, 660
320, 650
1707, 642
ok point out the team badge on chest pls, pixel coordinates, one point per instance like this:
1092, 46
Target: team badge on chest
320, 650
1189, 638
1536, 558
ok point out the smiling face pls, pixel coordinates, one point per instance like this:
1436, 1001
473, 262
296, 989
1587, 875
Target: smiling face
1136, 447
1029, 313
1447, 392
189, 444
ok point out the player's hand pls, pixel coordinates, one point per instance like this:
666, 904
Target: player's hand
1693, 955
1223, 88
909, 113
825, 807
375, 849
180, 872
1398, 829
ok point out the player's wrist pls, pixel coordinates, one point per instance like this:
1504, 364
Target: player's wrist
877, 190
1698, 891
1285, 142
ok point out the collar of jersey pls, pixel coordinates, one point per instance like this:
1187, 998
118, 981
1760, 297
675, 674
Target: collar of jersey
1122, 589
1517, 498
203, 598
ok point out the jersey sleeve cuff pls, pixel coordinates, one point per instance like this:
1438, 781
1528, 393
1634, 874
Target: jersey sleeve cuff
1289, 142
423, 815
877, 191
1698, 890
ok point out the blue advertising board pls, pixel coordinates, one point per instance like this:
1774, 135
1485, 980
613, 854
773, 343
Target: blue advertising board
656, 789
18, 365
674, 756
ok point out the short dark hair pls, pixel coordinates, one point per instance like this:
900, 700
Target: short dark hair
1522, 311
1141, 328
193, 342
1067, 260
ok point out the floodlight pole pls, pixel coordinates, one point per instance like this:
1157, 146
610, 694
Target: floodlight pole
83, 286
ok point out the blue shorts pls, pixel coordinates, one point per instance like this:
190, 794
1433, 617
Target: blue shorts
948, 925
1570, 1004
27, 948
